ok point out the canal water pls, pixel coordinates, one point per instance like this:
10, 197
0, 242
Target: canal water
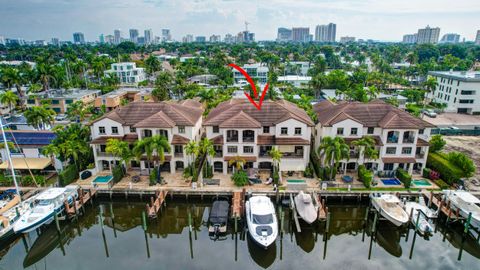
169, 244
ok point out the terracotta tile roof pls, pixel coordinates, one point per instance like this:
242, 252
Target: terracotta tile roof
272, 140
241, 120
398, 160
378, 140
272, 112
182, 113
422, 142
104, 139
373, 114
246, 158
218, 139
177, 139
160, 119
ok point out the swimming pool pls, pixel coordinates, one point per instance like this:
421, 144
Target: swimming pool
391, 182
421, 182
102, 179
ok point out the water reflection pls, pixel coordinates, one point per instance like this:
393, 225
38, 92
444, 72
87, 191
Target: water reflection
169, 239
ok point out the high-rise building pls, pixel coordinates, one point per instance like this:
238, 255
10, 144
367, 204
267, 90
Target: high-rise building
301, 34
148, 36
229, 38
187, 38
477, 38
101, 39
450, 38
78, 38
347, 39
215, 38
200, 39
54, 42
110, 39
134, 35
2, 40
117, 36
410, 38
284, 34
166, 36
428, 35
326, 33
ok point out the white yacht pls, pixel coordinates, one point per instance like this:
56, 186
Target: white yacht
423, 213
261, 220
9, 216
466, 202
48, 203
305, 207
390, 207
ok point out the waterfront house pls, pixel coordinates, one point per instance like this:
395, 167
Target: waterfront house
180, 122
400, 138
237, 128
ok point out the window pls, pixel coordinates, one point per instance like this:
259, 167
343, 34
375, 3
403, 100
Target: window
147, 133
101, 130
354, 131
388, 167
406, 150
69, 101
421, 131
114, 130
266, 129
248, 149
298, 131
216, 129
248, 136
284, 131
178, 149
232, 149
55, 101
370, 130
181, 129
391, 150
31, 101
232, 136
132, 129
163, 132
103, 148
339, 131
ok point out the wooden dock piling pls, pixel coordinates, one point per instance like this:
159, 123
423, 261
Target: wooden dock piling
156, 203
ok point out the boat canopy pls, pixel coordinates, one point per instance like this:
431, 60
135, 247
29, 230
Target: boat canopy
219, 212
27, 163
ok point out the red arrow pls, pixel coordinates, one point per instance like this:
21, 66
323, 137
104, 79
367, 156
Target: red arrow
252, 84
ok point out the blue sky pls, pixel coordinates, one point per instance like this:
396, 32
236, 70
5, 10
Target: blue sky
377, 19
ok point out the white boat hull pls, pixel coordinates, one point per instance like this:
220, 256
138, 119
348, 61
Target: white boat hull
393, 213
263, 234
423, 225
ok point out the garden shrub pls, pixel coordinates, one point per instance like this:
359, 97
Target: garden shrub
404, 177
117, 173
207, 170
308, 171
68, 175
365, 176
240, 178
462, 161
448, 171
275, 176
153, 177
441, 184
426, 173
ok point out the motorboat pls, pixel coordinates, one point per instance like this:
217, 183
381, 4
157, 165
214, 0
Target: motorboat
261, 220
48, 204
218, 219
9, 216
466, 203
305, 207
423, 214
390, 207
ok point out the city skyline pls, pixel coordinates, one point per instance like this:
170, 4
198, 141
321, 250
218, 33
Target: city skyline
207, 17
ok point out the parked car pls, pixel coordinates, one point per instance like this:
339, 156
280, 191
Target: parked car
430, 113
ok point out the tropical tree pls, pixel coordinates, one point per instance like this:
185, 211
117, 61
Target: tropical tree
430, 85
238, 161
160, 146
152, 64
8, 98
142, 147
333, 150
276, 156
436, 143
73, 150
192, 150
367, 149
76, 111
119, 149
39, 117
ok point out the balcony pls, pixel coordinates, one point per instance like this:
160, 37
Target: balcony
232, 139
103, 154
420, 155
292, 155
218, 154
354, 154
408, 139
248, 139
392, 139
179, 154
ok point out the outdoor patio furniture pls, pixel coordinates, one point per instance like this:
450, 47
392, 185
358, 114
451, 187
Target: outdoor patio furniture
269, 181
136, 178
211, 182
347, 178
253, 181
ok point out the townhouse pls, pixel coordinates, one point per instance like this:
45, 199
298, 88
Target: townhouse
180, 122
400, 138
237, 128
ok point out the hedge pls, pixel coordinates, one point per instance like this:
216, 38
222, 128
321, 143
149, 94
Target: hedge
441, 184
315, 161
153, 176
448, 172
426, 173
68, 175
117, 173
365, 176
404, 177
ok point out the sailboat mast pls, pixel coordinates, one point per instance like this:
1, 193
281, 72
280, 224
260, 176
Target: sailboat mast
9, 157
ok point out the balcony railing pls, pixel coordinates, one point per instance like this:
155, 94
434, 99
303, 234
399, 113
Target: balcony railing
420, 155
104, 154
292, 155
392, 140
180, 154
408, 140
248, 139
219, 154
354, 154
232, 139
263, 154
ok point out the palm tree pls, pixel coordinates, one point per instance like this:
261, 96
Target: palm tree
159, 144
8, 98
333, 150
51, 151
39, 117
192, 150
72, 150
238, 161
367, 148
76, 111
317, 83
142, 147
276, 156
45, 73
430, 85
206, 148
152, 64
119, 149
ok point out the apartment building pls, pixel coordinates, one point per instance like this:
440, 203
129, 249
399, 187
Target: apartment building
400, 138
113, 100
61, 98
297, 68
238, 129
255, 71
459, 90
428, 35
180, 122
127, 72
